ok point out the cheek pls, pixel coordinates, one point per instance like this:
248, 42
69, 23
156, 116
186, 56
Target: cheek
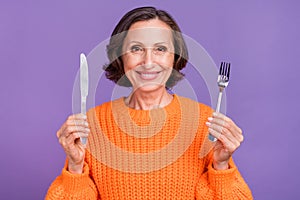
168, 61
129, 63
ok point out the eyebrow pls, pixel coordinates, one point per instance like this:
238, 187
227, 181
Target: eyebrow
142, 43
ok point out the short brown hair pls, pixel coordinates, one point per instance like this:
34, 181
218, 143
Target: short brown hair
115, 69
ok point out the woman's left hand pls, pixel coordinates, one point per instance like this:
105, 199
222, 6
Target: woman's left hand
229, 137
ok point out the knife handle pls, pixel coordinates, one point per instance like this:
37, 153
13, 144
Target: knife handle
83, 105
83, 140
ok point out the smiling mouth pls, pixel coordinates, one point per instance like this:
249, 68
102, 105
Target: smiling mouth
148, 75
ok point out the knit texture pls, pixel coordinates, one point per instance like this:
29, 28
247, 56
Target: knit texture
142, 154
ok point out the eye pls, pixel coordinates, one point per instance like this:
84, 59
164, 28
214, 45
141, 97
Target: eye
136, 49
161, 49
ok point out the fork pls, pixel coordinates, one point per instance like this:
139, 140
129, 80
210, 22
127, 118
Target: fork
223, 80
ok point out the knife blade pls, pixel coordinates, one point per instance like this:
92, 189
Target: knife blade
84, 87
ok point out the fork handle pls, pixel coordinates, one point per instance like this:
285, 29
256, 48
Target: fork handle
219, 100
210, 136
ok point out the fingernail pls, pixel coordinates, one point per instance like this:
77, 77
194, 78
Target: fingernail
86, 123
208, 123
87, 130
210, 119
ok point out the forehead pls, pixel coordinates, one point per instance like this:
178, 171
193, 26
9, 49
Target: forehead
149, 32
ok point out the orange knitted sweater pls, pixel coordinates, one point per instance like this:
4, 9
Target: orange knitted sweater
159, 154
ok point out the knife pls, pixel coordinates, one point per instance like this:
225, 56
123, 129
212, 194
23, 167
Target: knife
84, 87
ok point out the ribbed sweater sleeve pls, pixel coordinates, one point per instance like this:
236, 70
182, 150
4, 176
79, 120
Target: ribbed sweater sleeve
222, 184
73, 186
218, 184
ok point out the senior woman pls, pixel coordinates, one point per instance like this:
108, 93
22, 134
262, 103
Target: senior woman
146, 145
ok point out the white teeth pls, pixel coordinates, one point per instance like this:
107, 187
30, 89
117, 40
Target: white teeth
148, 76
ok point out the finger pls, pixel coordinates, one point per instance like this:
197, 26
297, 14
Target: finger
231, 147
69, 127
77, 122
228, 145
73, 129
214, 133
68, 142
223, 125
72, 120
229, 124
226, 119
78, 116
80, 131
78, 119
224, 131
58, 133
74, 138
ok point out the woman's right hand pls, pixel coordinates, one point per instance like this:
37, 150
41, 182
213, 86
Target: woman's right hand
69, 134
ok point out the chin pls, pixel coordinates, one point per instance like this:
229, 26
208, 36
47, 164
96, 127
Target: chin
150, 87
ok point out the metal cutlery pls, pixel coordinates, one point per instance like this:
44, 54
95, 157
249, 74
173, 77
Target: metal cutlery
84, 87
223, 80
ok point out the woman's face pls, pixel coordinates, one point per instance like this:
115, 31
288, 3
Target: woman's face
148, 54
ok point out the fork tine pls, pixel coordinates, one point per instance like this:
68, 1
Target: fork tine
224, 68
228, 71
221, 69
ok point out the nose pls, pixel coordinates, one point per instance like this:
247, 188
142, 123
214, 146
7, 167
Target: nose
148, 57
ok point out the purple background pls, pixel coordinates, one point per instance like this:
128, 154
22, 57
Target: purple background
40, 43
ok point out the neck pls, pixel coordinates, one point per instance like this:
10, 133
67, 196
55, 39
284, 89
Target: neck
141, 100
